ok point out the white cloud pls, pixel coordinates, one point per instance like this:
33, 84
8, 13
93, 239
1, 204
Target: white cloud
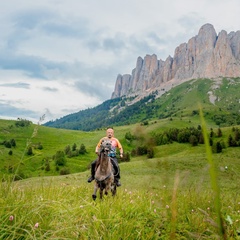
58, 57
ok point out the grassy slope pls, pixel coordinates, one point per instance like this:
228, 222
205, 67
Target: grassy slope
144, 207
54, 140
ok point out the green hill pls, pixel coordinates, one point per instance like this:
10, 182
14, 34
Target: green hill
45, 144
218, 98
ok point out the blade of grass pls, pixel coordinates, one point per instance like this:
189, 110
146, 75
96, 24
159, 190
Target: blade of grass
213, 177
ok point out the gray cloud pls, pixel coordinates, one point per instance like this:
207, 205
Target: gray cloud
114, 44
16, 85
31, 18
11, 111
51, 46
50, 89
63, 29
32, 66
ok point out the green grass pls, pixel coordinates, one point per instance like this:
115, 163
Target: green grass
170, 196
144, 208
54, 140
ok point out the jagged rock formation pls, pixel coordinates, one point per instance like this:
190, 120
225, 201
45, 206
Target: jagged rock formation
206, 55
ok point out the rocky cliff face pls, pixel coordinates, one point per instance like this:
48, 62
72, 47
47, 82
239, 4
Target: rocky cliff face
206, 55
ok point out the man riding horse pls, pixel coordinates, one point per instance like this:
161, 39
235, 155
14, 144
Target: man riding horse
115, 144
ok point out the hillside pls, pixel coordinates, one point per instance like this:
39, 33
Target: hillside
219, 99
173, 195
34, 150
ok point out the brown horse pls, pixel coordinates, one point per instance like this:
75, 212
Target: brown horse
104, 176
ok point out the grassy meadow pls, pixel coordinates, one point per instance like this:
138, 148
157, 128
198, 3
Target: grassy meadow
174, 195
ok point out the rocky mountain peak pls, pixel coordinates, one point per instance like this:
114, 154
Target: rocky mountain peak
207, 55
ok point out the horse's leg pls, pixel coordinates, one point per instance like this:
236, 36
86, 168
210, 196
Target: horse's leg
101, 193
94, 195
106, 191
114, 189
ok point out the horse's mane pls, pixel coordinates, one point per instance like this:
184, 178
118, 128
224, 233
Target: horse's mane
104, 167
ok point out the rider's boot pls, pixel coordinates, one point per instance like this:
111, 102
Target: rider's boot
91, 178
117, 172
117, 181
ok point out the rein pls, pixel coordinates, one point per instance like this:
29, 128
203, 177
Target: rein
99, 181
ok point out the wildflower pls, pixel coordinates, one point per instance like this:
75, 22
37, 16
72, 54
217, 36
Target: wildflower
208, 208
36, 225
152, 202
81, 206
125, 190
131, 201
164, 186
167, 206
11, 218
192, 210
155, 210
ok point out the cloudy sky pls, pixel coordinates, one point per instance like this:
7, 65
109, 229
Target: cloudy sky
58, 57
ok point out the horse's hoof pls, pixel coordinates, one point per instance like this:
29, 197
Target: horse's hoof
94, 197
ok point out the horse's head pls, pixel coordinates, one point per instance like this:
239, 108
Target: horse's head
105, 146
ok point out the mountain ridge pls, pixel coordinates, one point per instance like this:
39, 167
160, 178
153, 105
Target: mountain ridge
207, 55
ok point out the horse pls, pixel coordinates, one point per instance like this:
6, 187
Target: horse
104, 175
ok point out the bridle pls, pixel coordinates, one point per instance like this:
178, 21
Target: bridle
105, 147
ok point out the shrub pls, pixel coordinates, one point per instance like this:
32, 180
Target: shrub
7, 144
29, 151
22, 122
13, 142
39, 146
141, 150
193, 140
74, 147
125, 158
59, 158
67, 149
82, 149
129, 136
47, 167
219, 133
219, 147
64, 171
150, 153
